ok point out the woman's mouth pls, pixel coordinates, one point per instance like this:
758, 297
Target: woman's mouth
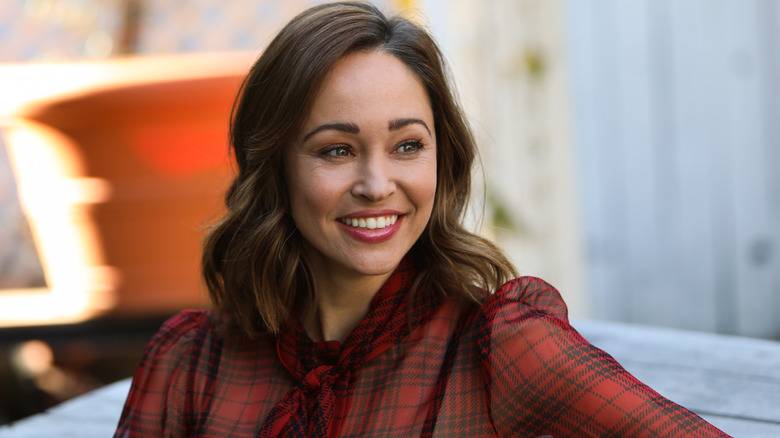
370, 223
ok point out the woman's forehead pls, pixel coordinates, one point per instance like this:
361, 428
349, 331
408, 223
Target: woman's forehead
369, 84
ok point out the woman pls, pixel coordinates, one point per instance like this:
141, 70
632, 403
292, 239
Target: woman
348, 299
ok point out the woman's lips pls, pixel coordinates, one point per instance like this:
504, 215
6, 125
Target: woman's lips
372, 229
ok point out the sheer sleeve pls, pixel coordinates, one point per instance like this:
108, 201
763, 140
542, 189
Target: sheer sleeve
160, 395
544, 378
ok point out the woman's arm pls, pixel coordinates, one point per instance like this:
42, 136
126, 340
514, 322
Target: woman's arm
159, 397
547, 379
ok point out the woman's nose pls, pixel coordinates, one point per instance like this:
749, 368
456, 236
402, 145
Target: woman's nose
375, 181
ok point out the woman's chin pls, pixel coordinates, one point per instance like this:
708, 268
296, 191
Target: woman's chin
373, 268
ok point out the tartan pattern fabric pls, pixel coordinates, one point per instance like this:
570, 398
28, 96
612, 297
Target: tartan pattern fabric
510, 367
323, 373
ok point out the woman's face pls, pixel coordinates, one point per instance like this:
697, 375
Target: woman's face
361, 174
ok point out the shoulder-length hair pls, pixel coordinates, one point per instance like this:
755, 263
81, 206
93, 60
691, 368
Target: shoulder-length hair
252, 260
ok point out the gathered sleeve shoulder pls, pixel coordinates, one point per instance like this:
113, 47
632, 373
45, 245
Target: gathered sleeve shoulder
546, 379
174, 363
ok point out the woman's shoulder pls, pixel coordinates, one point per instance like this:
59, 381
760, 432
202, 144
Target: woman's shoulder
525, 297
186, 321
163, 376
183, 325
180, 333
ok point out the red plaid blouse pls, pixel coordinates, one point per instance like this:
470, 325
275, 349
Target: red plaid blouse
510, 367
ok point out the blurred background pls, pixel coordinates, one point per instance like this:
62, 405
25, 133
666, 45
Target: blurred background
630, 155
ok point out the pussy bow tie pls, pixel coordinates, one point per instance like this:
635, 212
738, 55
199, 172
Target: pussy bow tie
308, 408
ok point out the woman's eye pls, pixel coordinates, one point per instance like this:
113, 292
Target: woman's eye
409, 147
338, 151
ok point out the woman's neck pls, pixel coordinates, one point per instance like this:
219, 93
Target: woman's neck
341, 303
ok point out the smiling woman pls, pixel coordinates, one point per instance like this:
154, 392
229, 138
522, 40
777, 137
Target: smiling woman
361, 183
348, 298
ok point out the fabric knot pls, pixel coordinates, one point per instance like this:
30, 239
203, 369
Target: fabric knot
309, 408
314, 379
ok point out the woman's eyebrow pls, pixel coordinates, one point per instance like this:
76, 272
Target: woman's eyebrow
397, 124
350, 128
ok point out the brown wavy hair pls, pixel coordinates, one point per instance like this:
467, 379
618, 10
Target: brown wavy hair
252, 260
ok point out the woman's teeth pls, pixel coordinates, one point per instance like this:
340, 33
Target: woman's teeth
370, 223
